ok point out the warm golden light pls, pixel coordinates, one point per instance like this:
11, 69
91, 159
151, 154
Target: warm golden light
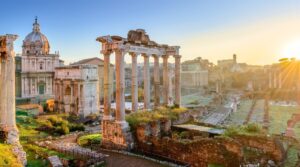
292, 50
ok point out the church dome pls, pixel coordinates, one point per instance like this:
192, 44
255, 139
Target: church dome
36, 42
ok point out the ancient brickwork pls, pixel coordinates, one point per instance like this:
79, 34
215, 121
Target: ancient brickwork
116, 136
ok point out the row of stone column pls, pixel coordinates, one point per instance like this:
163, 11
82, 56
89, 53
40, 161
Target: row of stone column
275, 79
120, 85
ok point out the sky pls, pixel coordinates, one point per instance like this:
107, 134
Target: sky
257, 31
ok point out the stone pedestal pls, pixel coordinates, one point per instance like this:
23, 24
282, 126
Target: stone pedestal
116, 135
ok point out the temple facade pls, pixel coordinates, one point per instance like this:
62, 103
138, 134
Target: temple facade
76, 89
38, 65
115, 130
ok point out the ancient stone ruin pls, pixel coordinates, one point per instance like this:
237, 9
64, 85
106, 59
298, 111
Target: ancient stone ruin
8, 128
116, 130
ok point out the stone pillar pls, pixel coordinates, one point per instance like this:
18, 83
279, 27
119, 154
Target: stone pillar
62, 96
279, 80
8, 98
134, 82
270, 79
120, 86
156, 81
3, 92
275, 80
146, 82
107, 85
79, 98
11, 101
165, 80
177, 80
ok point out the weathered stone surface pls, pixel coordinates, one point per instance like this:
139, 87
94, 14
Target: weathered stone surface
55, 161
116, 135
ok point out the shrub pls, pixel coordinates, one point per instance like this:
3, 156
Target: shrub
231, 131
76, 127
89, 139
253, 128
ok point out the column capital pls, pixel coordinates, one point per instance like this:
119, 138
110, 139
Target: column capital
106, 52
177, 56
146, 55
119, 51
165, 56
156, 56
133, 54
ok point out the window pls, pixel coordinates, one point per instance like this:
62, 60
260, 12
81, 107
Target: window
41, 66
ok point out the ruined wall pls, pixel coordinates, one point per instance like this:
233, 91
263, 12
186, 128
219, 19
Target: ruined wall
155, 138
198, 152
269, 145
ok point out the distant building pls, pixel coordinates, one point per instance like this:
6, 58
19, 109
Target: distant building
194, 73
100, 64
228, 64
76, 89
37, 73
284, 75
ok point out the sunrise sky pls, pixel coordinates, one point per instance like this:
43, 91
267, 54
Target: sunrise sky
258, 31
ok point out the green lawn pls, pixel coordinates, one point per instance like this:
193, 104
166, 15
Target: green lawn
35, 155
258, 112
198, 98
292, 157
238, 117
278, 116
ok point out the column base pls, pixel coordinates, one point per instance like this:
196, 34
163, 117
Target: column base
10, 134
116, 135
107, 118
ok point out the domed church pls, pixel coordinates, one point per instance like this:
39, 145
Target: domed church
38, 65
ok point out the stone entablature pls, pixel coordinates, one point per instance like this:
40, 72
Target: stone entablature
76, 89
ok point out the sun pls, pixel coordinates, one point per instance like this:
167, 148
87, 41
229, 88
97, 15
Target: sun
291, 50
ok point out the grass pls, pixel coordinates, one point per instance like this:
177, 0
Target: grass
89, 139
28, 134
7, 158
238, 117
249, 130
258, 112
279, 115
292, 157
143, 117
196, 98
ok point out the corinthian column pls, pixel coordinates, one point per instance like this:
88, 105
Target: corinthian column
120, 86
146, 82
3, 91
177, 80
156, 81
165, 80
8, 104
107, 85
134, 82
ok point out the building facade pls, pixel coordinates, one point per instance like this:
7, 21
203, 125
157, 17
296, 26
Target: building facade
100, 64
195, 72
38, 65
76, 89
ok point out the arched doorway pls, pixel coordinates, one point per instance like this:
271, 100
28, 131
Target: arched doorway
41, 87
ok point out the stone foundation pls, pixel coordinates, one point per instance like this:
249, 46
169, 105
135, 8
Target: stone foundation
116, 135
